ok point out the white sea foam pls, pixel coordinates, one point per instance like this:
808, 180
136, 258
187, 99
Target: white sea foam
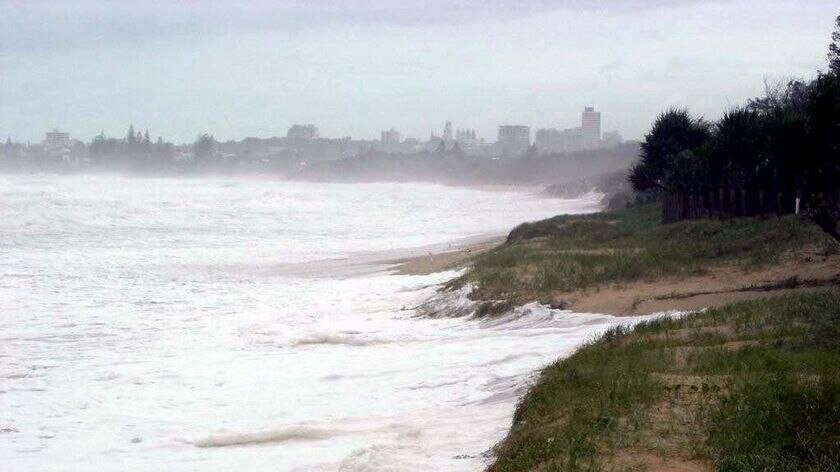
250, 320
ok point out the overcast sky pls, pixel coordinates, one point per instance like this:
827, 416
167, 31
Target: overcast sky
352, 67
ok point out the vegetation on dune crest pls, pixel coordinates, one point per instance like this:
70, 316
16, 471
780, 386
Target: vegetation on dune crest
570, 252
768, 156
750, 386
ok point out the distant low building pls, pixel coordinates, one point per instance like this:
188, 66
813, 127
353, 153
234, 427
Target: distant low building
56, 140
390, 137
584, 137
514, 140
466, 134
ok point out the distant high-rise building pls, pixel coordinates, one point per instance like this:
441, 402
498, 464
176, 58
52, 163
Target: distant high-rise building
514, 140
55, 139
304, 132
590, 125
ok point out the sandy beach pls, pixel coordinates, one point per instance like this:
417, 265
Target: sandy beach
454, 257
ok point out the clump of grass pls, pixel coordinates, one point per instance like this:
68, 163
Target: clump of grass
750, 386
775, 420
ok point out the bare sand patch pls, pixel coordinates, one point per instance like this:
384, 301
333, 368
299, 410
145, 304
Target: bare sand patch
721, 285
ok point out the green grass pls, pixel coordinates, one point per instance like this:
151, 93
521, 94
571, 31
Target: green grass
750, 386
577, 251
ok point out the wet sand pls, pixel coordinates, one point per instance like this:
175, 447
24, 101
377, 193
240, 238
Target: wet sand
454, 257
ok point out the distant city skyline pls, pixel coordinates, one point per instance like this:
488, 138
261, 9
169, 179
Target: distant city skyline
588, 135
359, 68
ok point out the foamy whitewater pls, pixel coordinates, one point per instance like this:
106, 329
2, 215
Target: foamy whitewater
166, 324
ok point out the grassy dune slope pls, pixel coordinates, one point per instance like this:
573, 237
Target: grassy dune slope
751, 386
550, 258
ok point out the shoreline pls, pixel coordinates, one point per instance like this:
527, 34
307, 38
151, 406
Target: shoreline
454, 257
420, 260
720, 286
626, 263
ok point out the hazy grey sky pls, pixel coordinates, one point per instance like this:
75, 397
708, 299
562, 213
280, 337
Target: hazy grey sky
238, 69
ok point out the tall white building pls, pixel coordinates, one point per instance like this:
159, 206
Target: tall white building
590, 126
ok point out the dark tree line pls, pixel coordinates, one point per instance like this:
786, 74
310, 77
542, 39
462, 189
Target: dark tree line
137, 151
758, 157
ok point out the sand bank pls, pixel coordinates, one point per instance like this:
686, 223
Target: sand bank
717, 287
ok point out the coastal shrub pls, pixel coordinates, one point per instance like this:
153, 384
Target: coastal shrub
784, 144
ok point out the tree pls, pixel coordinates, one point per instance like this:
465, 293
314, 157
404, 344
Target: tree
130, 138
204, 148
674, 132
7, 147
820, 163
532, 152
738, 155
834, 49
688, 172
456, 150
146, 143
787, 136
441, 148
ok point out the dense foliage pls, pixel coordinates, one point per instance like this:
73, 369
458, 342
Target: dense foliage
786, 142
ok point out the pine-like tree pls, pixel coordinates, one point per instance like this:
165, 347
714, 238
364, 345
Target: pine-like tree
834, 49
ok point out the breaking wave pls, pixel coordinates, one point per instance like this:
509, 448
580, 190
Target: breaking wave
295, 433
338, 339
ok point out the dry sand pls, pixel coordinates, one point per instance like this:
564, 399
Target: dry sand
721, 285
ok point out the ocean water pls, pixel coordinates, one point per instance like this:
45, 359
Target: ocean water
198, 324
